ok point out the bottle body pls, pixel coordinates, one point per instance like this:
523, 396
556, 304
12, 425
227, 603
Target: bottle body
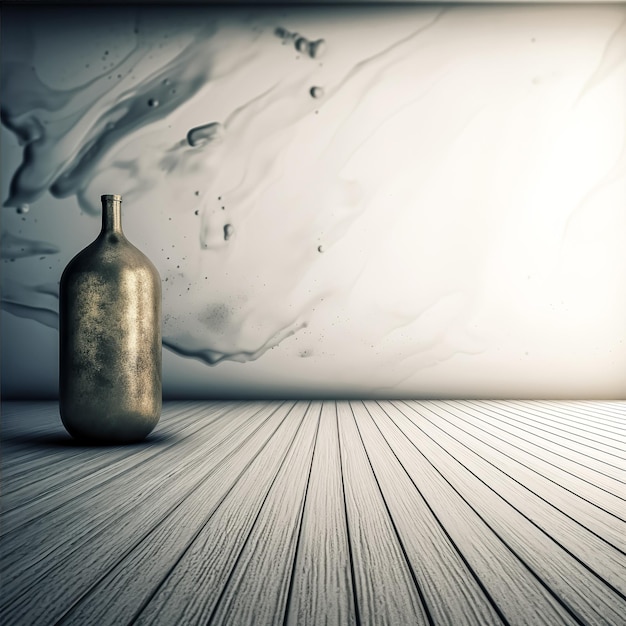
110, 338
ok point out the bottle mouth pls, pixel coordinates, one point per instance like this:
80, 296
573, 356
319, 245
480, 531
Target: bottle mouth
111, 196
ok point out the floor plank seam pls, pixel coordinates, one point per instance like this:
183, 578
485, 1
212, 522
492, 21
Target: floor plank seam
104, 529
105, 455
300, 519
214, 510
513, 421
551, 504
584, 417
550, 418
570, 610
559, 455
357, 615
269, 489
531, 521
454, 544
409, 565
431, 512
156, 453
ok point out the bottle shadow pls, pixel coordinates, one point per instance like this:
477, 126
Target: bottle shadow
60, 440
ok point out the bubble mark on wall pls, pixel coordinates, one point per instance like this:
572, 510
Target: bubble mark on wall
313, 48
202, 135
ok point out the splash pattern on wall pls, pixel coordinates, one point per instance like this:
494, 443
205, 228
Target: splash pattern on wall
398, 201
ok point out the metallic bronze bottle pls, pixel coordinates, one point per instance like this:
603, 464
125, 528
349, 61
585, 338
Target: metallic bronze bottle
110, 338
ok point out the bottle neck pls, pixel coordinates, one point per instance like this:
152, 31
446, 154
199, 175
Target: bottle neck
112, 214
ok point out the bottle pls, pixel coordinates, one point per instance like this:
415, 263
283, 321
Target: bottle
110, 338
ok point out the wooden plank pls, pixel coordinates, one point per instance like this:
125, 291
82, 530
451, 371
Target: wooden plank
262, 572
559, 571
520, 596
569, 413
38, 414
76, 541
35, 429
45, 489
321, 590
202, 519
597, 412
200, 588
258, 515
452, 590
584, 504
591, 446
532, 413
571, 461
385, 588
26, 423
484, 463
47, 532
34, 462
610, 408
606, 405
548, 469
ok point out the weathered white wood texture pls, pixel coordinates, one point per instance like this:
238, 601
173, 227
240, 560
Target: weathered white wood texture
337, 513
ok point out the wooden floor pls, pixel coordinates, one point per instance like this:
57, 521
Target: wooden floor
447, 512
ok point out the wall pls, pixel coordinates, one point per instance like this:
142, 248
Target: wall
421, 201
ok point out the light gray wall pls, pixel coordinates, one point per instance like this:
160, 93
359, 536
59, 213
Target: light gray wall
443, 216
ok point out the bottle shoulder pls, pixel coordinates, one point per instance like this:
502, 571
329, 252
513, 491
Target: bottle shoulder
109, 255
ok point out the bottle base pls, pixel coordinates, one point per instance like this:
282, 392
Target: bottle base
117, 431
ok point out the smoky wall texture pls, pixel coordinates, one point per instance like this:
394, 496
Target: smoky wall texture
373, 201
